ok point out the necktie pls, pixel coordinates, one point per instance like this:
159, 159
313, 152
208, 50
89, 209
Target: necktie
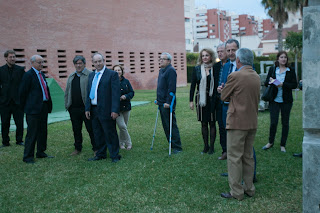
94, 85
231, 68
44, 86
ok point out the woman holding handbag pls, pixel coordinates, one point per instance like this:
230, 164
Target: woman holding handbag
206, 81
284, 79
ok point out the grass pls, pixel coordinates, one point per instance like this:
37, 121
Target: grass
150, 181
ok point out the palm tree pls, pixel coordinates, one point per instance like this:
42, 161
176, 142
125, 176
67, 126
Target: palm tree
278, 10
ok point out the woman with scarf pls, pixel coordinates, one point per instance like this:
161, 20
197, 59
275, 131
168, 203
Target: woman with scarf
206, 81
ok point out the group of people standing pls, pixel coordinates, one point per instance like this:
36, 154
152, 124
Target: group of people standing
227, 92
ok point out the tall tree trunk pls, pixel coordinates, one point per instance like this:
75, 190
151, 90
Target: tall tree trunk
280, 40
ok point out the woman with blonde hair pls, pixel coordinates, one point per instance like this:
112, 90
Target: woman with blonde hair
205, 79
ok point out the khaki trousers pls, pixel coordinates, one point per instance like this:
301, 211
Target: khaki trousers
240, 162
122, 122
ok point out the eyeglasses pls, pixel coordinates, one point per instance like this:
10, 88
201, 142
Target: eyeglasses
41, 62
79, 64
163, 59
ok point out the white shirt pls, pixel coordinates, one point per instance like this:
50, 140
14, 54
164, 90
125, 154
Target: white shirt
95, 100
234, 65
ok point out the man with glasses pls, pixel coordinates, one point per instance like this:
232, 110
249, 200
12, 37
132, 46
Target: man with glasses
75, 99
10, 80
167, 83
36, 101
102, 107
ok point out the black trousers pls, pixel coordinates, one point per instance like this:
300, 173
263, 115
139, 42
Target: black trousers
105, 135
222, 129
165, 118
6, 112
78, 117
36, 133
275, 109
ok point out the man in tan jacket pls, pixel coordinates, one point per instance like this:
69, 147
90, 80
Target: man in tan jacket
242, 91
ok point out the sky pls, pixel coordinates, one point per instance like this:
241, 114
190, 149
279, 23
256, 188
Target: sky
250, 7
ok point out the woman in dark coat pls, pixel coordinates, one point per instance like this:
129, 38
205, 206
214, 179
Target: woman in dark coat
127, 94
286, 82
203, 79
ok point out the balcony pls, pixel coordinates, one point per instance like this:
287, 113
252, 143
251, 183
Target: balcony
198, 29
201, 35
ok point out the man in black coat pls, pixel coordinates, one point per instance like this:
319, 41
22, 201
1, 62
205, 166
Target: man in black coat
10, 79
102, 107
36, 100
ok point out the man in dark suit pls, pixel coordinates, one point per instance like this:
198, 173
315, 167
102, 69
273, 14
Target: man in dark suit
36, 101
242, 91
218, 68
10, 80
232, 46
102, 107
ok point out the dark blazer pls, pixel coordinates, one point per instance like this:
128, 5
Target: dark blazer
167, 83
31, 96
108, 94
224, 73
9, 85
195, 82
127, 90
290, 83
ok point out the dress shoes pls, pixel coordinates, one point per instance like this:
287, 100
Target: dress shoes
224, 174
223, 156
226, 195
298, 155
44, 155
75, 152
95, 158
268, 146
20, 143
122, 147
115, 160
5, 145
176, 151
29, 162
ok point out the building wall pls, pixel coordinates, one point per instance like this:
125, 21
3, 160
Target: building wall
268, 25
132, 33
189, 15
214, 16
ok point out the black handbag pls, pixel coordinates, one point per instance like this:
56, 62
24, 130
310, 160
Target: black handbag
270, 93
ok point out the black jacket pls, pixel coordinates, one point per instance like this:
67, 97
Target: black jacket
9, 84
31, 96
167, 83
195, 82
127, 90
290, 83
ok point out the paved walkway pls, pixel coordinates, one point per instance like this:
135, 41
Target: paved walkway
64, 115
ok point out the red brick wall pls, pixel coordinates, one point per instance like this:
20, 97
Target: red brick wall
128, 32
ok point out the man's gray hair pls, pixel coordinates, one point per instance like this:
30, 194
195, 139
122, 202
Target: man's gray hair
79, 57
34, 58
245, 56
168, 55
221, 45
98, 54
230, 41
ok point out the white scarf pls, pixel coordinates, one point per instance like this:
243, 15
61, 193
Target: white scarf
203, 84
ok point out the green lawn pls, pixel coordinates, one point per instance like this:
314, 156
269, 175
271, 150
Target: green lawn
150, 181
